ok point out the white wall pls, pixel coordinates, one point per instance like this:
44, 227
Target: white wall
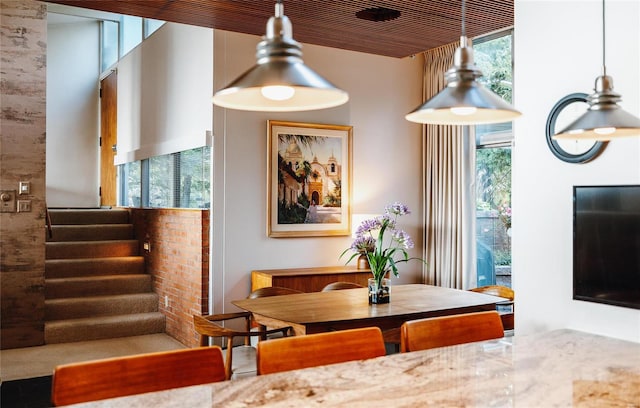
72, 174
386, 161
557, 52
164, 93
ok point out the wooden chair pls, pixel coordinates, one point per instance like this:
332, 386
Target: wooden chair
207, 327
443, 331
314, 350
341, 286
121, 376
271, 291
268, 291
506, 308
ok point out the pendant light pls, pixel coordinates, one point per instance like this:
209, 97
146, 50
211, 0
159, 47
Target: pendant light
279, 82
604, 119
464, 101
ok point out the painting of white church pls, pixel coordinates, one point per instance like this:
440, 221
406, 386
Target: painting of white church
309, 179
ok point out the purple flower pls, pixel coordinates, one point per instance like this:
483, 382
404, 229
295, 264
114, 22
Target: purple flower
397, 208
363, 244
368, 226
403, 239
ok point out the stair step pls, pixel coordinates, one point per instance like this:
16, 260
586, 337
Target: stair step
89, 249
73, 268
75, 308
96, 286
90, 232
103, 327
88, 216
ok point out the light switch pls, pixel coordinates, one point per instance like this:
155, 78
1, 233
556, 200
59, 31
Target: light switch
24, 188
24, 206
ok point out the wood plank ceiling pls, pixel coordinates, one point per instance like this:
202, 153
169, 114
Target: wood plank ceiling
422, 24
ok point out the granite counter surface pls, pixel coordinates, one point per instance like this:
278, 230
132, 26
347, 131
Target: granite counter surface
556, 369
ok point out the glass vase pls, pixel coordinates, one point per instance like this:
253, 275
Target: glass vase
381, 293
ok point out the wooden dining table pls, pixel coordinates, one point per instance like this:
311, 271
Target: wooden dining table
561, 368
318, 312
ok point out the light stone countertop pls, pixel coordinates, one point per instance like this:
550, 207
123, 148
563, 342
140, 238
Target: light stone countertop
556, 369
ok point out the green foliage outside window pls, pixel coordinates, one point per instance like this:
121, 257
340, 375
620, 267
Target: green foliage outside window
493, 178
493, 163
177, 180
494, 59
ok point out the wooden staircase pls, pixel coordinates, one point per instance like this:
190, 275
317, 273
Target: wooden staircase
95, 283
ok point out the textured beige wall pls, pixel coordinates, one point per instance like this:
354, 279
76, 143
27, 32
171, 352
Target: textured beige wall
23, 47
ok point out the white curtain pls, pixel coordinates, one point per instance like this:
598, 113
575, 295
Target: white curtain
449, 190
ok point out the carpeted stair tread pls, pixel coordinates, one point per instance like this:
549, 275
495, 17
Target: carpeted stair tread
69, 268
97, 286
75, 308
90, 232
103, 327
89, 249
95, 281
88, 216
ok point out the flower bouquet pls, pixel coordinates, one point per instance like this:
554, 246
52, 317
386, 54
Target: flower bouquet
385, 246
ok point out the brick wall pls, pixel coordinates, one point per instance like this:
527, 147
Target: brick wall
23, 41
178, 260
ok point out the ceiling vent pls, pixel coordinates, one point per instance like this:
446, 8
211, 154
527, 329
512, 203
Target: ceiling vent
378, 14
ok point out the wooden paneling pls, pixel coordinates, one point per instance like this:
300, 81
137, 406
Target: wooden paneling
308, 279
422, 25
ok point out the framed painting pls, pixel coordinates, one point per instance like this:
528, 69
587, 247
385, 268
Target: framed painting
308, 179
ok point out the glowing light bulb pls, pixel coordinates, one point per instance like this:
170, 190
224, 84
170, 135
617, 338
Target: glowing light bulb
277, 92
604, 131
576, 132
464, 110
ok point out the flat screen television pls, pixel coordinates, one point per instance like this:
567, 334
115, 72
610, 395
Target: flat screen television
606, 244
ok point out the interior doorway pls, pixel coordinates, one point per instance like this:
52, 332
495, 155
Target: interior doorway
108, 138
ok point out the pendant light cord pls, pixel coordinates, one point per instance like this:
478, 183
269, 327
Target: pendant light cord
604, 65
464, 29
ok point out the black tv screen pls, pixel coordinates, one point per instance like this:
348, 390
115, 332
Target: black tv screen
606, 244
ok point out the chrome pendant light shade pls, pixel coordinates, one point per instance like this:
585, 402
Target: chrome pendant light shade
464, 101
604, 119
280, 81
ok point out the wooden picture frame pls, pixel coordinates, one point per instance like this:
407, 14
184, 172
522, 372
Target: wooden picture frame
308, 164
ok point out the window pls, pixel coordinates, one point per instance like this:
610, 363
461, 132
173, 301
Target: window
150, 26
131, 33
177, 180
493, 166
109, 44
130, 184
120, 37
161, 181
195, 184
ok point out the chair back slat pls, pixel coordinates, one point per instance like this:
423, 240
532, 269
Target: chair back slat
121, 376
268, 291
496, 290
340, 286
313, 350
450, 330
208, 327
507, 308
